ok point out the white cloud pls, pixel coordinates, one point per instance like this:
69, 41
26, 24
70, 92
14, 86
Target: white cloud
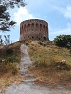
22, 14
67, 13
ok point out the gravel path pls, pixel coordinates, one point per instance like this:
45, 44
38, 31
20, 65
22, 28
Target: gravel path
28, 86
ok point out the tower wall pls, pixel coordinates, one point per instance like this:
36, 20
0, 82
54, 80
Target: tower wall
34, 29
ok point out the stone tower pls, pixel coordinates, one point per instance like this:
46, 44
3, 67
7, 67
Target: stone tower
34, 29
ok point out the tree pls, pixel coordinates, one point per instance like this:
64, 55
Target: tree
1, 41
63, 40
7, 39
5, 23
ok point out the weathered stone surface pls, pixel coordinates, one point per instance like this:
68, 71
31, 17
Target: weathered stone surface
33, 29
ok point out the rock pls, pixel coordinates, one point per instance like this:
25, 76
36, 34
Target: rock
63, 62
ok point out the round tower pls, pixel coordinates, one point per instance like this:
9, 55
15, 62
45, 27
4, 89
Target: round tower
34, 29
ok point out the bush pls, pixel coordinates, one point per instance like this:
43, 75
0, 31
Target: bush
11, 59
63, 41
9, 51
9, 67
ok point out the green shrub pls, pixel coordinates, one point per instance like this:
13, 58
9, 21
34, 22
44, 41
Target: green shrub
9, 51
11, 59
63, 40
11, 67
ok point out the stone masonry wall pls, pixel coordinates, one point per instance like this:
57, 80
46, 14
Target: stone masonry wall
34, 29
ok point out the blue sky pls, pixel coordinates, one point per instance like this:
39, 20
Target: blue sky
56, 12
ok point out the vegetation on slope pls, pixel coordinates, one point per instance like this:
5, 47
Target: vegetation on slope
46, 66
10, 56
47, 63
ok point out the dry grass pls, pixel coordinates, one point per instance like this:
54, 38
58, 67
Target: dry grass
51, 77
44, 57
48, 54
9, 73
9, 70
8, 78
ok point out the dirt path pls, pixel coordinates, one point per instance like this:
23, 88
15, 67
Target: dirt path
25, 61
28, 86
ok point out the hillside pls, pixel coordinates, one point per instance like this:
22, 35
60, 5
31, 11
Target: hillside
47, 63
10, 55
13, 48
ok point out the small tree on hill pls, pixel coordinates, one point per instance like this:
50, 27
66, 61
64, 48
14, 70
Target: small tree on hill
63, 40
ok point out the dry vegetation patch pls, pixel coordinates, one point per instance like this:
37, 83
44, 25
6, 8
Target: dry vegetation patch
45, 66
8, 79
10, 55
51, 77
